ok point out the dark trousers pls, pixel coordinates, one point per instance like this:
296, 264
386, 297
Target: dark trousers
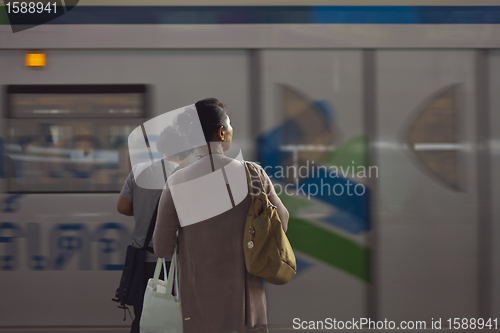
149, 271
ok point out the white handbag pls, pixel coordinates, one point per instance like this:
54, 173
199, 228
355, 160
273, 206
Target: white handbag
161, 312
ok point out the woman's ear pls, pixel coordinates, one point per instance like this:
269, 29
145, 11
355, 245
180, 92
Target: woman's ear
221, 134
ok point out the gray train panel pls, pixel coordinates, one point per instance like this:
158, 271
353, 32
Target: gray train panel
252, 36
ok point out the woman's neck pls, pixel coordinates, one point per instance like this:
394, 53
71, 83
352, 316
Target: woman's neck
215, 148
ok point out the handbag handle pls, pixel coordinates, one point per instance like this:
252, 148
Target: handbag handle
173, 268
159, 264
249, 179
171, 272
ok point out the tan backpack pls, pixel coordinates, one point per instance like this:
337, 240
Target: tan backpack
268, 252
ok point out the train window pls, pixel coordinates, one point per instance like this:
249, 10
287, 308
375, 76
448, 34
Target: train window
71, 138
433, 137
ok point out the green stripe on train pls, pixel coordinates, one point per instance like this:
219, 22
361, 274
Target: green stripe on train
329, 248
3, 16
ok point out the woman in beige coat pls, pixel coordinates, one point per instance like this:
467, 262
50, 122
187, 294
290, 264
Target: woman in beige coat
217, 293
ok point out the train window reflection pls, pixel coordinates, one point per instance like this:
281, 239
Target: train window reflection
68, 149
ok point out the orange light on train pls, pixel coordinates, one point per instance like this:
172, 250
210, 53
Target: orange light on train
35, 60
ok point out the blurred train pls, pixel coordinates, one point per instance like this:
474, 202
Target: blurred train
376, 124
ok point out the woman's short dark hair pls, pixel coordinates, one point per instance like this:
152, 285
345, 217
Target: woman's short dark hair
212, 114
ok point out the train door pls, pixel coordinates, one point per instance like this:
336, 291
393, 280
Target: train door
426, 204
314, 147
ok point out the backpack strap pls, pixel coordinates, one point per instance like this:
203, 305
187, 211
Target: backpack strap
152, 223
151, 228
